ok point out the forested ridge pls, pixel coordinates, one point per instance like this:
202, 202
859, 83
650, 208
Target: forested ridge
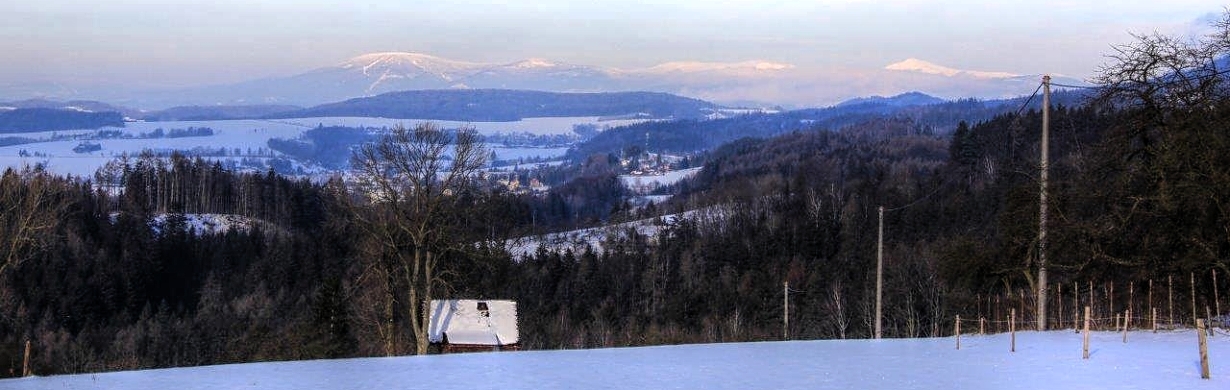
1139, 188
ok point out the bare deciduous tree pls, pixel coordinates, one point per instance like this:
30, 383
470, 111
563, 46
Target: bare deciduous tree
30, 208
412, 179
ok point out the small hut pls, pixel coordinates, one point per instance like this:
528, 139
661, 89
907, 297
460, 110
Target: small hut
471, 325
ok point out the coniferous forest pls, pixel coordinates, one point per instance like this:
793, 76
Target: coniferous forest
111, 273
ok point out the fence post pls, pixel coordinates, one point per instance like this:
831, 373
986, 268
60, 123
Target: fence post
1208, 317
957, 331
982, 326
1126, 323
1204, 349
25, 361
1012, 327
1085, 355
1155, 320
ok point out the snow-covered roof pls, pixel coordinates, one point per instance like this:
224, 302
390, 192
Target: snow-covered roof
464, 323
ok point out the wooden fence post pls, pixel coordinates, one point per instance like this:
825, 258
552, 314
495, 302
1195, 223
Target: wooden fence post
25, 361
1126, 324
1155, 320
982, 326
1208, 317
1204, 349
957, 331
1012, 327
1085, 355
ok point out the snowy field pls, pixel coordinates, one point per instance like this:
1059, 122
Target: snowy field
1043, 361
646, 183
250, 135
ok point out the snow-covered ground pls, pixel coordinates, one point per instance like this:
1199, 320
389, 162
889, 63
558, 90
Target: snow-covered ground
209, 223
249, 135
1043, 360
646, 183
578, 240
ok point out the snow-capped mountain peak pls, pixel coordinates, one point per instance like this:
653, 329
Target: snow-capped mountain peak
921, 66
533, 63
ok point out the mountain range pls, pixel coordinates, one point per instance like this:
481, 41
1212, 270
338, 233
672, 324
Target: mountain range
745, 83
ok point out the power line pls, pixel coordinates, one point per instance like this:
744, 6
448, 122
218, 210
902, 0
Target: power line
1075, 86
1027, 101
924, 197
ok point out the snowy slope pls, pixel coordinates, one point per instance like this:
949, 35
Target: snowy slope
1047, 360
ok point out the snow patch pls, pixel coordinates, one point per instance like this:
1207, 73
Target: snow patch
207, 223
920, 66
533, 63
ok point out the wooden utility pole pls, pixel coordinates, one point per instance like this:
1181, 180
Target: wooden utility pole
1043, 166
786, 310
25, 361
880, 275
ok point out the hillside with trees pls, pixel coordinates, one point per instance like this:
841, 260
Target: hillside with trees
49, 119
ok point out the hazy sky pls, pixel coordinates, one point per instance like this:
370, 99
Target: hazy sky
179, 43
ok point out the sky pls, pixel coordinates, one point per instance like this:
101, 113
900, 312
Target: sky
160, 43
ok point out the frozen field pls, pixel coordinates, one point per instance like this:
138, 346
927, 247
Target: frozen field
250, 135
1046, 360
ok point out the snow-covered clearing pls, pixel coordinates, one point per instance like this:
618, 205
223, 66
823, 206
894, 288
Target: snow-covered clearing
646, 183
1043, 360
209, 223
594, 238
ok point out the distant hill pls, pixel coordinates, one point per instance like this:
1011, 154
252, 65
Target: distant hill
508, 105
902, 100
50, 119
201, 113
75, 105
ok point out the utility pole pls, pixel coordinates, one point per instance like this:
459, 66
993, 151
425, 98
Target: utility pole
880, 274
786, 310
1044, 165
